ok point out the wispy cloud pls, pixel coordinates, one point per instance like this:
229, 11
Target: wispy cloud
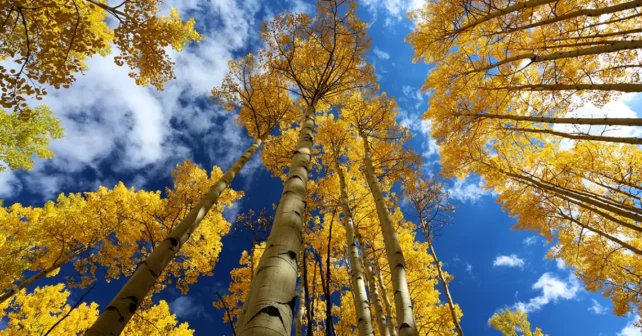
394, 10
9, 184
508, 261
553, 289
468, 190
597, 308
560, 264
187, 307
381, 54
530, 240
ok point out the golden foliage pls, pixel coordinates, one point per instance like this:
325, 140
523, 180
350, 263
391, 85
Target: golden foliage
124, 223
27, 133
51, 42
513, 323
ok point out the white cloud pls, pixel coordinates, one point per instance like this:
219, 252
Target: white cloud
394, 10
110, 121
631, 329
530, 240
469, 268
381, 54
508, 261
429, 147
560, 264
186, 306
467, 190
597, 308
9, 184
552, 289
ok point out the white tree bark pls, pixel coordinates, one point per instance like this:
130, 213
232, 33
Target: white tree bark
361, 303
272, 297
301, 311
382, 324
396, 261
113, 319
386, 300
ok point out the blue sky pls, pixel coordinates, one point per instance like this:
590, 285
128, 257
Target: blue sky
116, 131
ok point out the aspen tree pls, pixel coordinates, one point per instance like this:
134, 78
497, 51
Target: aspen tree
373, 288
520, 70
506, 81
45, 312
334, 137
123, 222
322, 56
552, 192
372, 117
430, 202
431, 315
263, 106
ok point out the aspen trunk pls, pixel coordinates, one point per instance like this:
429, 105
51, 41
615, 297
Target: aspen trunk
619, 46
621, 87
272, 296
571, 199
12, 291
572, 121
618, 33
444, 284
300, 312
626, 140
582, 199
582, 12
386, 300
500, 12
396, 261
382, 324
113, 319
603, 234
361, 303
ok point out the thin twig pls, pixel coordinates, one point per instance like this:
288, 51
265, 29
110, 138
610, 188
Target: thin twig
70, 310
229, 316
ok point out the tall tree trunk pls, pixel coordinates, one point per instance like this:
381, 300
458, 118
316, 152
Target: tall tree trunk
308, 306
396, 261
382, 324
534, 58
621, 87
56, 265
300, 312
328, 274
554, 120
601, 234
503, 11
626, 140
361, 303
113, 319
583, 201
384, 295
444, 283
272, 297
590, 12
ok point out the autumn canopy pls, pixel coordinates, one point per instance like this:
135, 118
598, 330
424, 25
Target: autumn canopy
349, 241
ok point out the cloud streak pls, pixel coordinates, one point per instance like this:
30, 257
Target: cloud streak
553, 289
508, 261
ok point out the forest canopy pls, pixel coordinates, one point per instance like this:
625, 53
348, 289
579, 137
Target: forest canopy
254, 170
